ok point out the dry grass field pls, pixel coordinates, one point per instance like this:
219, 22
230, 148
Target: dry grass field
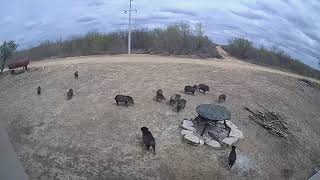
90, 137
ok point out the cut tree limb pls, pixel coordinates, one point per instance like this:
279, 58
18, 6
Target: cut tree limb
269, 121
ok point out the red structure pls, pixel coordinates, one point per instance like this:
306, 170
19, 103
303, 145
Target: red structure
24, 62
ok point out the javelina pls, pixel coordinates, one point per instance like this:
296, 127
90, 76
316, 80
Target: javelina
148, 139
203, 87
190, 89
69, 94
174, 98
159, 95
181, 103
222, 98
76, 74
232, 156
38, 90
124, 99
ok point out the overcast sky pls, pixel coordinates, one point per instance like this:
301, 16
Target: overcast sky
293, 25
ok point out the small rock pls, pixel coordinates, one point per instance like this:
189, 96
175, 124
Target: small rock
187, 123
206, 139
236, 133
184, 132
189, 128
214, 144
230, 140
231, 125
192, 138
201, 142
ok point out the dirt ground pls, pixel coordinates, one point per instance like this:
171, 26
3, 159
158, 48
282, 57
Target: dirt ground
90, 137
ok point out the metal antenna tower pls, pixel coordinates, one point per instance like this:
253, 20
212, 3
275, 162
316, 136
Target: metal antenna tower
129, 32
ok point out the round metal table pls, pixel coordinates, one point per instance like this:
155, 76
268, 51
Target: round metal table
212, 113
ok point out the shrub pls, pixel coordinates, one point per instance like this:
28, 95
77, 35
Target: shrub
177, 39
274, 57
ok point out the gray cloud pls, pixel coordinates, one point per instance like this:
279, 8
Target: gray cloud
248, 15
96, 3
261, 5
8, 19
300, 22
86, 19
178, 11
313, 35
151, 18
30, 25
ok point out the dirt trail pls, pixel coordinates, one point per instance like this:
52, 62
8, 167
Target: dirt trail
90, 137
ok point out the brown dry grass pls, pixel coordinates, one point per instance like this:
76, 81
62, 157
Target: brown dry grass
89, 136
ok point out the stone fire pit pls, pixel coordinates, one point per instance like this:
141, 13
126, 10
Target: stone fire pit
211, 127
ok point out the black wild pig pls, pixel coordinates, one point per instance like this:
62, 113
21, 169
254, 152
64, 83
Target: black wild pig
76, 74
222, 98
38, 90
148, 139
190, 89
181, 103
203, 88
124, 99
69, 94
232, 157
174, 98
159, 95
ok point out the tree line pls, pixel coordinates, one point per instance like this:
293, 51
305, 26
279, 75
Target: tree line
175, 39
273, 57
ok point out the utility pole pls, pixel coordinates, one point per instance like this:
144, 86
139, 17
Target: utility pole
129, 31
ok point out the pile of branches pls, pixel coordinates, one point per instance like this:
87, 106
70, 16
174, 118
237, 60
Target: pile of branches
272, 121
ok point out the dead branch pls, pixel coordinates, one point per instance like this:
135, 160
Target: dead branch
282, 122
273, 115
279, 133
269, 121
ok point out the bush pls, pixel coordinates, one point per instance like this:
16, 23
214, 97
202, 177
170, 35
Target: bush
242, 48
176, 39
